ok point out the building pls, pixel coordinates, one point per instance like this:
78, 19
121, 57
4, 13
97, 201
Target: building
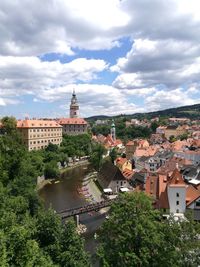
73, 125
175, 131
37, 134
123, 163
111, 177
179, 120
172, 194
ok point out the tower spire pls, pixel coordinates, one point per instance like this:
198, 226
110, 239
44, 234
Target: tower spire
74, 107
112, 130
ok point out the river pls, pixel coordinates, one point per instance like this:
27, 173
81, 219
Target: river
63, 195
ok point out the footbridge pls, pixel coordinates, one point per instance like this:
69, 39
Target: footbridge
85, 209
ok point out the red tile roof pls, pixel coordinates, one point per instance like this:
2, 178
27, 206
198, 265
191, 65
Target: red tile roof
121, 161
191, 194
128, 174
37, 124
130, 143
176, 179
64, 121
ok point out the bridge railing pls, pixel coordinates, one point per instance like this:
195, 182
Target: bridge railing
84, 209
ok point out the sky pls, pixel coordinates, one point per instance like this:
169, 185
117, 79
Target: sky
121, 57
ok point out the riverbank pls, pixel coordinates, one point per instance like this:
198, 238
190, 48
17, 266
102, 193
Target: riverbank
42, 182
74, 165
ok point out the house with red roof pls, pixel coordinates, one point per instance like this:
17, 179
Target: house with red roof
171, 193
123, 163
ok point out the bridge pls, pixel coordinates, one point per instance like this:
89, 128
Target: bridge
85, 209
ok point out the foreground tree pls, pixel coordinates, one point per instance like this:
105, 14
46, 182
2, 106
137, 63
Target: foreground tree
97, 156
135, 235
29, 235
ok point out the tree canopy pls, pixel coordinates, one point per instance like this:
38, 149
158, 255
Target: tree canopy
136, 235
29, 234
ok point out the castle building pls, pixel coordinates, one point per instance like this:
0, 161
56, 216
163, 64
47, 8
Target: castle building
37, 134
73, 125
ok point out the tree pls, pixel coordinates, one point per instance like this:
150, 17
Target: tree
172, 139
136, 235
183, 136
154, 126
63, 159
9, 124
60, 241
51, 170
97, 156
113, 154
52, 147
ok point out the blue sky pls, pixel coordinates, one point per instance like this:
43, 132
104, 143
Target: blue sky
120, 56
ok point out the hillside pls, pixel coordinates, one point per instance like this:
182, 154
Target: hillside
192, 112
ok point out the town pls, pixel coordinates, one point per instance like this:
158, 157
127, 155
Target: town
166, 166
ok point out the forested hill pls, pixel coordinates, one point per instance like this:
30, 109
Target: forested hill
192, 111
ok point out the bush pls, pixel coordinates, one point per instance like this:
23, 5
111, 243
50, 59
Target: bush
51, 170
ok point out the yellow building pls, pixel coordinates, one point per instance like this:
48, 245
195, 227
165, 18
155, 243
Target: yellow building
123, 163
37, 134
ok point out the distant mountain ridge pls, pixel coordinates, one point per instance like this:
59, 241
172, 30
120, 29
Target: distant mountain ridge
191, 111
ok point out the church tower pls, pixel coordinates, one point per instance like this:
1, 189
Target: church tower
74, 107
112, 131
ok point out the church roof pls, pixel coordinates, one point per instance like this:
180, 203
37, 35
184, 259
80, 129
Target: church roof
64, 121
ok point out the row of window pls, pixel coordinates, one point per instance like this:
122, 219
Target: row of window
44, 141
74, 130
74, 126
46, 130
44, 135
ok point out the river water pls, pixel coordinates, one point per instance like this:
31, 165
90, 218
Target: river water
63, 194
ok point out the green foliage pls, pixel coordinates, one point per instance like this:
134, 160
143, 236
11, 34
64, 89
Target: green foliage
113, 154
172, 139
29, 235
9, 124
78, 145
154, 125
96, 157
101, 129
136, 235
183, 137
51, 170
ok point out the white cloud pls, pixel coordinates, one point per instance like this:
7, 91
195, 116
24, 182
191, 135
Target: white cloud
167, 99
7, 101
165, 52
28, 75
37, 27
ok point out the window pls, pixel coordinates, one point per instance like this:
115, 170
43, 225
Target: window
177, 194
177, 202
198, 203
